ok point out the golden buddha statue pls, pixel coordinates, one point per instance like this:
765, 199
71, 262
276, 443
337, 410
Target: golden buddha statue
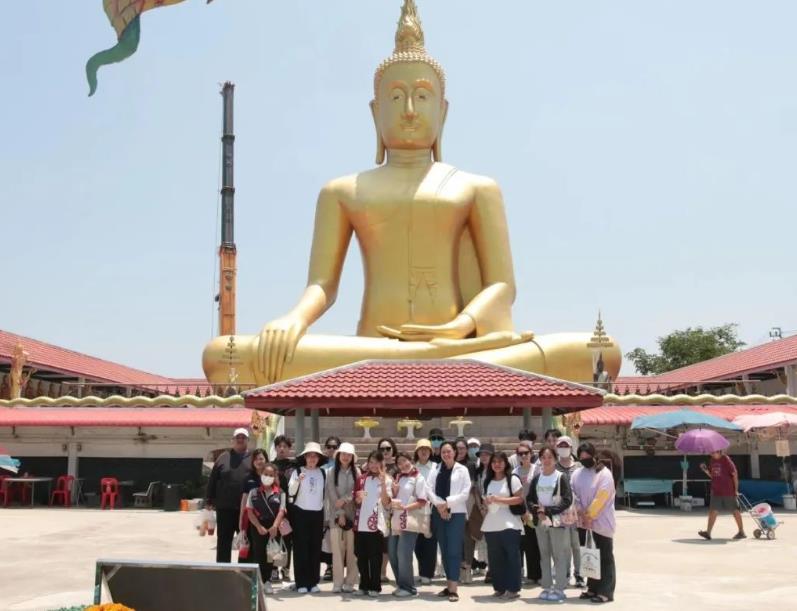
439, 281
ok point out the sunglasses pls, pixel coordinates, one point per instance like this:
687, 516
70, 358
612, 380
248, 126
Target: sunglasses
331, 447
386, 449
436, 438
522, 453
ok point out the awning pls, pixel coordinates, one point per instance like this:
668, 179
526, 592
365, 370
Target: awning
169, 417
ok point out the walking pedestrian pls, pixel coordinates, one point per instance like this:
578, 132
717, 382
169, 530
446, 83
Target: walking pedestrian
724, 492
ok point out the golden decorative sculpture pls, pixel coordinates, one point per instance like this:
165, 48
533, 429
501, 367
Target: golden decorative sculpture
459, 423
19, 379
366, 424
439, 280
411, 425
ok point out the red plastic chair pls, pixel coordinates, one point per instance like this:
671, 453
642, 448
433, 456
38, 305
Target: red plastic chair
63, 490
109, 487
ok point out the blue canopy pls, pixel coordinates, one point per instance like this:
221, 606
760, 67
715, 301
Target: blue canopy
684, 417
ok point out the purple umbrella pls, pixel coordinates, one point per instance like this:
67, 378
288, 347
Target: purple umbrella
701, 441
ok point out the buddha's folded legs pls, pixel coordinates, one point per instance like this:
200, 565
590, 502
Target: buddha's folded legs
563, 355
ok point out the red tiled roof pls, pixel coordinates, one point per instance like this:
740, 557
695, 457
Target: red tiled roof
727, 367
429, 387
172, 417
48, 357
624, 415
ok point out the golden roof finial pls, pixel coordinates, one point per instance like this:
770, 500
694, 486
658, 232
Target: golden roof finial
599, 338
410, 46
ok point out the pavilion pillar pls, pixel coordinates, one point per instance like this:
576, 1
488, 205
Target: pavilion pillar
755, 463
298, 421
791, 380
547, 418
527, 418
314, 429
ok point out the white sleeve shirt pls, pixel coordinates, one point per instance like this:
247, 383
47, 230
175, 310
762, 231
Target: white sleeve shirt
460, 489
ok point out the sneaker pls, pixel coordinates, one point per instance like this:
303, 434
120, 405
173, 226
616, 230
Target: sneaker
498, 594
580, 582
426, 581
557, 596
315, 590
359, 593
544, 595
347, 589
400, 593
739, 535
337, 589
292, 587
302, 590
373, 594
268, 588
511, 595
705, 534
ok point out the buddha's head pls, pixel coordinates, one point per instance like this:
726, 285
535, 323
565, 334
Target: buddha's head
409, 105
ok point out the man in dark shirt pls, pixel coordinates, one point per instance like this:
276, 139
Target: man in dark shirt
436, 438
724, 490
225, 488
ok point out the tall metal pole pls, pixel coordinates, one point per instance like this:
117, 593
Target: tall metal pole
227, 250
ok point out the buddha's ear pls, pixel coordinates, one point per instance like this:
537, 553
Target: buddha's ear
380, 145
437, 147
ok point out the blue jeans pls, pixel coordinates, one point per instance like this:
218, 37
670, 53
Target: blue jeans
503, 556
450, 535
399, 549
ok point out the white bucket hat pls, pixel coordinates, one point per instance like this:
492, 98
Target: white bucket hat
312, 447
347, 448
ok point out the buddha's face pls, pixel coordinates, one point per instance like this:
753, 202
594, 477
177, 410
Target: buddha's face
409, 110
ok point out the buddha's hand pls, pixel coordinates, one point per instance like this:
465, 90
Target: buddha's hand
462, 326
278, 341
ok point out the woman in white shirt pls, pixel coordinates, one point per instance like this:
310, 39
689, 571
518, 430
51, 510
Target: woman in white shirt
425, 547
448, 489
372, 496
306, 492
409, 499
501, 527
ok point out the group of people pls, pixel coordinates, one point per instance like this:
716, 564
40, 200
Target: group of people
452, 506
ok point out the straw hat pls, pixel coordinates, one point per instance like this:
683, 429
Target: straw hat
423, 443
347, 448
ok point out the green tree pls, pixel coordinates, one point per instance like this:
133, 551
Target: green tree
686, 347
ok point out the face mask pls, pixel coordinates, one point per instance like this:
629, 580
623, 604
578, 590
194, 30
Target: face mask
472, 452
267, 480
588, 462
436, 444
563, 452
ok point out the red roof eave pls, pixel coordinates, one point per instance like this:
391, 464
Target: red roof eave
166, 417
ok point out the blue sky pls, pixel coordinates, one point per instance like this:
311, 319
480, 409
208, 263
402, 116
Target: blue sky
646, 150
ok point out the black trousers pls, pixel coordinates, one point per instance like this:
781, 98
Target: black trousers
308, 530
368, 549
606, 584
226, 527
426, 553
531, 553
257, 553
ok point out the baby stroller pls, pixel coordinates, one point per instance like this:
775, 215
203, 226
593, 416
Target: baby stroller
763, 517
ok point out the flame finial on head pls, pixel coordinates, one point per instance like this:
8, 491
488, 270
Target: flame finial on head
410, 46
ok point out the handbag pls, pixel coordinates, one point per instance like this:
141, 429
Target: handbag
569, 517
277, 553
241, 543
590, 558
416, 521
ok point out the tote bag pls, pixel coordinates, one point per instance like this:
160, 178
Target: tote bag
590, 559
